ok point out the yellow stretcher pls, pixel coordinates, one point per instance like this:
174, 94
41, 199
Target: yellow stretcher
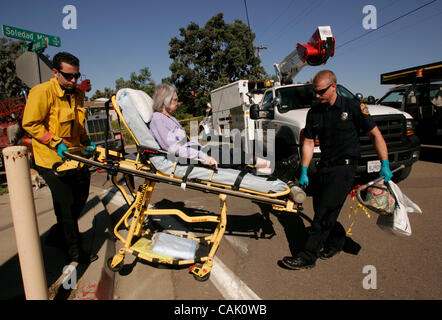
143, 241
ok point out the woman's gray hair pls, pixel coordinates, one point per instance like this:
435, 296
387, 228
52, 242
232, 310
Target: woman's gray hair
163, 96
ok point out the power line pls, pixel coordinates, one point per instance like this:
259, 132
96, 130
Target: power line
277, 18
307, 10
352, 26
247, 14
385, 24
425, 19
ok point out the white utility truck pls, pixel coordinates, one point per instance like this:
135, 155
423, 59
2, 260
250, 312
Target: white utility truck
254, 107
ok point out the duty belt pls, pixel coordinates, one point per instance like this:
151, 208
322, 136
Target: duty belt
339, 162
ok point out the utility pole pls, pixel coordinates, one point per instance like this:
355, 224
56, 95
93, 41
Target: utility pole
259, 50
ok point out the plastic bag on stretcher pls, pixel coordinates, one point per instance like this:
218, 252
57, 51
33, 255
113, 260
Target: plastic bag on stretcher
398, 222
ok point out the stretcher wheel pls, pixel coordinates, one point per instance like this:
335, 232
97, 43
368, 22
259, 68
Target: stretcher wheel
195, 274
203, 278
117, 268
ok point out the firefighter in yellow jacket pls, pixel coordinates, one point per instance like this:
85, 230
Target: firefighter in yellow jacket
55, 118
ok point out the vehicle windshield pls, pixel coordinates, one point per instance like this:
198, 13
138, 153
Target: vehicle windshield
295, 97
344, 92
393, 99
422, 94
299, 97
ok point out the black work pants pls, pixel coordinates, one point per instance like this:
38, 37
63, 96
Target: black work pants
331, 187
69, 195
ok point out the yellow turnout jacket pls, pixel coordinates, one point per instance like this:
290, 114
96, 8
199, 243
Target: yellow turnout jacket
50, 119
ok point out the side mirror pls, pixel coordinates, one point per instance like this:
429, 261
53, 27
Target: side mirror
254, 111
359, 96
276, 101
257, 113
371, 100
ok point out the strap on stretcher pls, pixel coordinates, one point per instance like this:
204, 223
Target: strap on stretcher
240, 177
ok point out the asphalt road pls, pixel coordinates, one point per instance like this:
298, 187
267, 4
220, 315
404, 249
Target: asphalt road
247, 263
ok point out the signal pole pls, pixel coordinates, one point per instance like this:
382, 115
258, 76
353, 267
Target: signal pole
258, 49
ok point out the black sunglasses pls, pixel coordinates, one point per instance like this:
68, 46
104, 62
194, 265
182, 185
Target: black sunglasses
322, 91
69, 76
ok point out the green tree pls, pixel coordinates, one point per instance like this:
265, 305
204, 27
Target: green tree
141, 81
207, 58
10, 84
108, 93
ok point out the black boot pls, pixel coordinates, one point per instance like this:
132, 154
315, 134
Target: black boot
327, 253
77, 254
297, 263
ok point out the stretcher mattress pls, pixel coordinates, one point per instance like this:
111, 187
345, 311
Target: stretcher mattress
136, 107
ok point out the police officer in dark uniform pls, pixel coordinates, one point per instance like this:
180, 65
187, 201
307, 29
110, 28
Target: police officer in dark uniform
336, 120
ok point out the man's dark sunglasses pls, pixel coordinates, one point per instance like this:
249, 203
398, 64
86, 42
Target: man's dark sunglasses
69, 76
322, 91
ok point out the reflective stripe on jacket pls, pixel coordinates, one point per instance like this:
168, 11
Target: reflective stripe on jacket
49, 119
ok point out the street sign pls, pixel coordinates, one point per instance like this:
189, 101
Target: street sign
17, 33
40, 44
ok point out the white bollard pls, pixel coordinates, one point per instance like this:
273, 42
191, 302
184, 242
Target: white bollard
25, 223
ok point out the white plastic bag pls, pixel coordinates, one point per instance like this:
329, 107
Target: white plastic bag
398, 222
174, 246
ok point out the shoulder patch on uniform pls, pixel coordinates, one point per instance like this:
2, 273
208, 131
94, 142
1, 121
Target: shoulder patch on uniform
364, 109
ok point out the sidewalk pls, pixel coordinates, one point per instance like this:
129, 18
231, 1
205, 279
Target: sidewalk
92, 282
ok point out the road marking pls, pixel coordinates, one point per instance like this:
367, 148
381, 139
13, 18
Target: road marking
238, 243
228, 284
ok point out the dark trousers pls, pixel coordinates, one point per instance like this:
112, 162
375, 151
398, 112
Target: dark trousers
69, 196
331, 187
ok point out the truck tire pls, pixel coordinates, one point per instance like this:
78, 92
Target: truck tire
283, 151
287, 162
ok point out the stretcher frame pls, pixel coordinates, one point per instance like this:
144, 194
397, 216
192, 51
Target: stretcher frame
139, 212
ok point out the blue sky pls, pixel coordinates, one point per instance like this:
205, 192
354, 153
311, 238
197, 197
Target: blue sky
115, 38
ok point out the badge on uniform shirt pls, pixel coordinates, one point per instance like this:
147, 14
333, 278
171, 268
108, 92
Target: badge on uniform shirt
344, 116
364, 109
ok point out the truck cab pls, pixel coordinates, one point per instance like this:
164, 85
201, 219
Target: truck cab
284, 110
418, 91
424, 103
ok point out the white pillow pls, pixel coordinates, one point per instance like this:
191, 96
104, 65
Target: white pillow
142, 101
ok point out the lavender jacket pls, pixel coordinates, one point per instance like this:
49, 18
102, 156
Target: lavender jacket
172, 137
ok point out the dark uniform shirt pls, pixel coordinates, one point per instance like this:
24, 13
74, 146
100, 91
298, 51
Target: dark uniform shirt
338, 127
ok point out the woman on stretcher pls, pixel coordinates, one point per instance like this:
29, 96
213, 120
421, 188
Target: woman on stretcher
172, 137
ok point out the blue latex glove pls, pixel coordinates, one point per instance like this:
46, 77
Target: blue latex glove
91, 146
62, 148
385, 170
303, 180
